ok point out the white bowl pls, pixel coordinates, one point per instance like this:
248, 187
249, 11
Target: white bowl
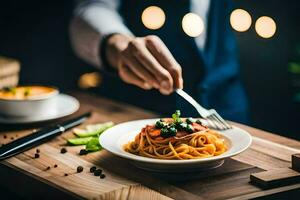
114, 139
37, 106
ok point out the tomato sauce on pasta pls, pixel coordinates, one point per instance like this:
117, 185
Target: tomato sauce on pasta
196, 141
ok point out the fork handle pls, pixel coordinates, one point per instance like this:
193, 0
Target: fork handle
202, 111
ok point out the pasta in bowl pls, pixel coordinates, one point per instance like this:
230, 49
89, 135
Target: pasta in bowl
177, 138
151, 144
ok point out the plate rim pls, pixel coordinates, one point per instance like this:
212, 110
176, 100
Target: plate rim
137, 158
26, 120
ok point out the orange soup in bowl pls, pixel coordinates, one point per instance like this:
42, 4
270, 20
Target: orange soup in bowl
27, 101
27, 92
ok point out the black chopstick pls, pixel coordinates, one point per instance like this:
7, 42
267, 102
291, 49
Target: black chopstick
39, 137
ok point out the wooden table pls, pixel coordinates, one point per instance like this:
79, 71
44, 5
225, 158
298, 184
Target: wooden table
30, 178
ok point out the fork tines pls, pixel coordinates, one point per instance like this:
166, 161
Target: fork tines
211, 116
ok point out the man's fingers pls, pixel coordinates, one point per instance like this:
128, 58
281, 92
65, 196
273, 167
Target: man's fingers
159, 50
129, 77
139, 50
136, 67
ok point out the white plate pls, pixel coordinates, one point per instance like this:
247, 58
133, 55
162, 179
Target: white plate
114, 138
64, 106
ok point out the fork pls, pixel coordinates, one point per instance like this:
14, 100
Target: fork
211, 116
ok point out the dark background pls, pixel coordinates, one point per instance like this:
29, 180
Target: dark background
36, 33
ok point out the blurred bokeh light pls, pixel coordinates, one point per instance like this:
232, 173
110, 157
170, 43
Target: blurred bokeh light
89, 80
240, 20
153, 17
192, 25
265, 27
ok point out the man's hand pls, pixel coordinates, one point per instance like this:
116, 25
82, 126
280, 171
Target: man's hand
145, 62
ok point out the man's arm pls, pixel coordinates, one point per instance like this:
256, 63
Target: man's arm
92, 21
142, 61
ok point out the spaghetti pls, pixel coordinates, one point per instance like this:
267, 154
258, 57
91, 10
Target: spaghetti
196, 141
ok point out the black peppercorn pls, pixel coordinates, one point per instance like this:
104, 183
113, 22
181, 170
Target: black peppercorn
48, 168
102, 176
83, 152
4, 136
63, 150
36, 155
55, 165
37, 151
97, 172
66, 174
93, 169
79, 169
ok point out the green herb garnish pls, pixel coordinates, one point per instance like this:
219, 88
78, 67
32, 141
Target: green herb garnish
159, 124
198, 121
27, 92
170, 130
12, 90
190, 120
182, 126
189, 128
176, 116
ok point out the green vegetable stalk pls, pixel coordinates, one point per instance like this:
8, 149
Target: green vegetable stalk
79, 141
93, 145
93, 131
89, 136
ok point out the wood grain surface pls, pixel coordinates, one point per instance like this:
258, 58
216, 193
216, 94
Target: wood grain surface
29, 176
275, 177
